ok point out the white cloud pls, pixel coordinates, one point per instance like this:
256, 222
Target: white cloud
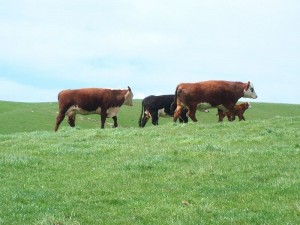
150, 45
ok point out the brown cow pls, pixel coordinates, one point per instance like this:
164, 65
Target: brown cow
210, 94
106, 102
238, 111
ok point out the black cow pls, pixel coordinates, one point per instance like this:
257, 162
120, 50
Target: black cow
155, 106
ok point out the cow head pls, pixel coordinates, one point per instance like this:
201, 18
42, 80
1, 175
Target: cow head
128, 97
248, 105
249, 91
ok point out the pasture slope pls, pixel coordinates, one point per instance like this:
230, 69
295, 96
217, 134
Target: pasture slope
196, 173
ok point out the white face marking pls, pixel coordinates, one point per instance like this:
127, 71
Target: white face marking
203, 106
128, 98
250, 93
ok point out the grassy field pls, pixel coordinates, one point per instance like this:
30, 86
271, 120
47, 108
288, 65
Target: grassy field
196, 173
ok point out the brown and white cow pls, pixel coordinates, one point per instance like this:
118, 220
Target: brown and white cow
239, 111
106, 102
210, 94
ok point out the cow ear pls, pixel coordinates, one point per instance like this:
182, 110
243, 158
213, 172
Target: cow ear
129, 89
247, 87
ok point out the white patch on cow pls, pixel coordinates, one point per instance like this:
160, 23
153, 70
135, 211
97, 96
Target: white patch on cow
147, 113
162, 113
204, 106
72, 109
250, 93
75, 109
111, 112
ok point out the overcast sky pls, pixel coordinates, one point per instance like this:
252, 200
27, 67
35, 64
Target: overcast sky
50, 45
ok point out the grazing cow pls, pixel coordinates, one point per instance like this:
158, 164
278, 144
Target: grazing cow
208, 94
106, 102
155, 106
238, 111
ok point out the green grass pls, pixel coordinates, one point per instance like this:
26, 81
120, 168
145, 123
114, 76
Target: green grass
196, 173
27, 117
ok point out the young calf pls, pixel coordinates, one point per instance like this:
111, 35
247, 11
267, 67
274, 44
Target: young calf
237, 111
158, 106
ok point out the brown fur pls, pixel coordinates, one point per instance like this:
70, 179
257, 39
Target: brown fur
89, 99
216, 93
239, 111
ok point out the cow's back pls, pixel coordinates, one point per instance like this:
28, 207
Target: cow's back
87, 98
153, 102
212, 92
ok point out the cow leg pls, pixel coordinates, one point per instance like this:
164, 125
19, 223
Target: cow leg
142, 116
140, 121
60, 117
71, 120
240, 114
155, 118
192, 113
177, 112
183, 117
232, 118
241, 117
144, 120
103, 117
115, 121
231, 112
221, 115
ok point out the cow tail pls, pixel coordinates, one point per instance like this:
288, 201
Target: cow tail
140, 120
174, 103
58, 96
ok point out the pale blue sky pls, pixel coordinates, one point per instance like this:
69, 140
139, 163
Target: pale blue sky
50, 45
